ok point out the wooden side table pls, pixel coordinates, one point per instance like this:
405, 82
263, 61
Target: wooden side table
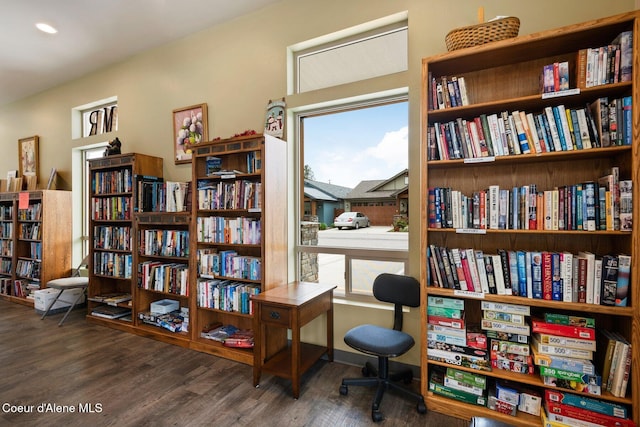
290, 307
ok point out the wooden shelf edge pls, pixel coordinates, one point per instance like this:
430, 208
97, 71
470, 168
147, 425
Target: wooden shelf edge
466, 411
573, 306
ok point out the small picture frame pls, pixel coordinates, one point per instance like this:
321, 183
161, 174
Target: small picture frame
28, 156
189, 129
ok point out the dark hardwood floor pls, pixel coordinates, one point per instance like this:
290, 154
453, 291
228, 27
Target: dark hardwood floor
127, 380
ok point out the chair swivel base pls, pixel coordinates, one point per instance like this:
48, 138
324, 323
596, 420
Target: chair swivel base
383, 384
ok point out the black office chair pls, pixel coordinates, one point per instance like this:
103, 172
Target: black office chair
385, 343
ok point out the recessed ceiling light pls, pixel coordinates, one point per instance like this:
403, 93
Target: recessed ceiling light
46, 28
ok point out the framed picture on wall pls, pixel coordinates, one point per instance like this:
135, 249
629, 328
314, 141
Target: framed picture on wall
28, 156
189, 129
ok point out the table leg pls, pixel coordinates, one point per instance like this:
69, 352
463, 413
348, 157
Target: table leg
295, 355
330, 331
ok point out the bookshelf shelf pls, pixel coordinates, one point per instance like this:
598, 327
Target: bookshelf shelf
505, 77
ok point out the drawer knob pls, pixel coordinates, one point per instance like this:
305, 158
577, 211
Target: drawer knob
274, 315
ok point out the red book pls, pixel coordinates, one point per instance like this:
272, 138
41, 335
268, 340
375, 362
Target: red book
586, 415
540, 326
547, 276
467, 271
582, 279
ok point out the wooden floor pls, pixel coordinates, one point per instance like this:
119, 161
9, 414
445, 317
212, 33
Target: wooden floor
127, 380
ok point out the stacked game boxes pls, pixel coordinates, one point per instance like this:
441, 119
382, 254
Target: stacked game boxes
449, 339
567, 409
509, 398
508, 332
460, 385
563, 347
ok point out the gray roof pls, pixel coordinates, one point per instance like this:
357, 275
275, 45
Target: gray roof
336, 191
316, 194
363, 190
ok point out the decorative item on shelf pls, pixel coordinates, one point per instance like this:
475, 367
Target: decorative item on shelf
114, 147
274, 122
498, 28
28, 156
248, 132
189, 129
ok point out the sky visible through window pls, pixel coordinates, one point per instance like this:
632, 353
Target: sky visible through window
353, 146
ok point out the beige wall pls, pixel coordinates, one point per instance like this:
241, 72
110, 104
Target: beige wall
237, 67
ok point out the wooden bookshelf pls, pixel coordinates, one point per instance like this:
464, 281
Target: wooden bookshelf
505, 76
35, 240
114, 201
249, 193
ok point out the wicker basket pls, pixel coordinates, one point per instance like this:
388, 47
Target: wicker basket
479, 34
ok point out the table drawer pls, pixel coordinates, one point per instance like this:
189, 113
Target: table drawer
275, 315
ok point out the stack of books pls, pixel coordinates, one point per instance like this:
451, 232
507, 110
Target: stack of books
562, 409
447, 335
563, 347
455, 384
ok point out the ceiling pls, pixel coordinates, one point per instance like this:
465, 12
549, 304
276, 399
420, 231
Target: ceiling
93, 34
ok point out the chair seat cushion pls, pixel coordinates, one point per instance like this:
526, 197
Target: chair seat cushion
68, 283
379, 341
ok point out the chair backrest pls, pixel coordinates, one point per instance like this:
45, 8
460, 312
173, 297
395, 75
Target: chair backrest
399, 290
76, 271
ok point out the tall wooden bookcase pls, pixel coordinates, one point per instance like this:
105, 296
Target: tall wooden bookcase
239, 211
112, 232
34, 240
506, 76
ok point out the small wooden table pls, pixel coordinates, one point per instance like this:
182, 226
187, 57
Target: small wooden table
290, 307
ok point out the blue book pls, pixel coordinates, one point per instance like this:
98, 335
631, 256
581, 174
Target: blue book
536, 274
561, 135
624, 273
627, 125
522, 273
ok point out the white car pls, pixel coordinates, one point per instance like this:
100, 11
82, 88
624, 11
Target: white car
351, 220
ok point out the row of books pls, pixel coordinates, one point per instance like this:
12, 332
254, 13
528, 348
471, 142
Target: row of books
6, 230
556, 128
112, 264
608, 64
30, 231
588, 206
616, 363
6, 248
35, 250
115, 208
6, 266
28, 268
160, 242
172, 278
6, 212
236, 194
557, 276
156, 195
112, 237
25, 288
110, 182
228, 264
447, 92
241, 230
32, 213
226, 295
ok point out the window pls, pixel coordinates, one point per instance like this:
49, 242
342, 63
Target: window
370, 50
354, 159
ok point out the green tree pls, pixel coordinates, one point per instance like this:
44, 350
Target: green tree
308, 173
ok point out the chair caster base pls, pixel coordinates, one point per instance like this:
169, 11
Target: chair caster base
344, 390
376, 416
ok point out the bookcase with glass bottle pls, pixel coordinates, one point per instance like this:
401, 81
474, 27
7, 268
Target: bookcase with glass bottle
34, 239
468, 164
115, 194
239, 241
